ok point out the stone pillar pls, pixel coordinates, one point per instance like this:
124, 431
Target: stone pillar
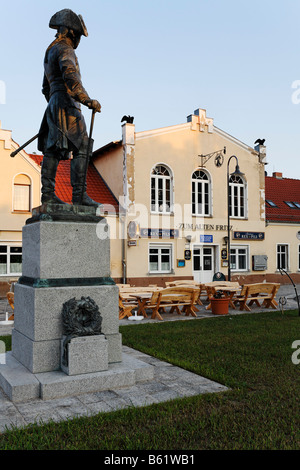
63, 258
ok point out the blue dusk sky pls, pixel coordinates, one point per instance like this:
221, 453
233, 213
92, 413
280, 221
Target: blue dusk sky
160, 60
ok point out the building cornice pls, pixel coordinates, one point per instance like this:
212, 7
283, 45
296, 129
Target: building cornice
162, 130
232, 139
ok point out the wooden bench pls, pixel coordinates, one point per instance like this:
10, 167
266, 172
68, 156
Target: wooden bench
182, 282
174, 297
189, 283
125, 307
253, 293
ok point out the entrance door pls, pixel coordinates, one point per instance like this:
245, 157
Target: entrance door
203, 263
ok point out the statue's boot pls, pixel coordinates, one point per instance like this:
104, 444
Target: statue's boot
49, 168
78, 182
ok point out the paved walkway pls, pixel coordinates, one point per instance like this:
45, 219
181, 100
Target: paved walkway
169, 382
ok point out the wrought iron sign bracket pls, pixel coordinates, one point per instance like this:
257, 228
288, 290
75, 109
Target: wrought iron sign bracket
218, 154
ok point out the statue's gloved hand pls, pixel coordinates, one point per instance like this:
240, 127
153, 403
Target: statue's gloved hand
93, 104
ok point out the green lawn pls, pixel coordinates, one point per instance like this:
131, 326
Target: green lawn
249, 353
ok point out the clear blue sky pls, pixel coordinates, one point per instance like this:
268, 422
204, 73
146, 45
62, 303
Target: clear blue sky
160, 60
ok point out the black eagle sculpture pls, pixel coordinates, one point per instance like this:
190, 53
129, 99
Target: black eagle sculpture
128, 119
260, 141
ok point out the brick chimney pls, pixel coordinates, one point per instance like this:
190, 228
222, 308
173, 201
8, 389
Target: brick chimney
277, 175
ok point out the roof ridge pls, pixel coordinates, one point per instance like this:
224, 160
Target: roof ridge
283, 178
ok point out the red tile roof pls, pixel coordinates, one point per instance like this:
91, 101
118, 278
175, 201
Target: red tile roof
280, 191
97, 189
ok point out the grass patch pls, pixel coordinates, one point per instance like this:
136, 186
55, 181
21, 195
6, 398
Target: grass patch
7, 342
251, 354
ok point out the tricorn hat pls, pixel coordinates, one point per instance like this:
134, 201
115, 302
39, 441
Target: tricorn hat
69, 19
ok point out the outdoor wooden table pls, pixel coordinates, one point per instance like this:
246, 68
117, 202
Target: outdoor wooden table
141, 294
127, 292
142, 299
228, 290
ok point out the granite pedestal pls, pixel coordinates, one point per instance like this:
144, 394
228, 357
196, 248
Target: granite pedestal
63, 259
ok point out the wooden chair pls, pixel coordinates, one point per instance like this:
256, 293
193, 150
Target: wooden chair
253, 293
11, 298
125, 307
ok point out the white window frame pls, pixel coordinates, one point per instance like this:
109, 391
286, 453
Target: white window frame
8, 255
15, 184
235, 187
159, 247
286, 253
199, 186
236, 248
164, 208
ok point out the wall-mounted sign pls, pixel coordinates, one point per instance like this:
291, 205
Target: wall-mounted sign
180, 263
224, 254
206, 238
203, 227
159, 233
248, 235
187, 254
132, 242
132, 229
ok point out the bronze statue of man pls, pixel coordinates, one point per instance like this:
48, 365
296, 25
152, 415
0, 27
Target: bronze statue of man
63, 128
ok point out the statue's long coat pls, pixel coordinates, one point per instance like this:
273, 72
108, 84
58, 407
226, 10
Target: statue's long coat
63, 127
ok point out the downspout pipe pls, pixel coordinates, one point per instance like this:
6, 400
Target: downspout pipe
124, 261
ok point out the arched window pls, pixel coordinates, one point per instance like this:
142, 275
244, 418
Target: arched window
237, 199
161, 189
201, 193
21, 197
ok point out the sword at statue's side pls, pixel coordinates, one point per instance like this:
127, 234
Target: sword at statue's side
88, 151
13, 154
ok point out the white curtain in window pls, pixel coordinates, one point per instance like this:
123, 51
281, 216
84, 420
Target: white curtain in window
21, 197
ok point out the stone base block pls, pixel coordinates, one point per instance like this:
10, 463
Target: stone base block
84, 355
20, 385
114, 347
38, 328
38, 311
36, 356
16, 381
60, 250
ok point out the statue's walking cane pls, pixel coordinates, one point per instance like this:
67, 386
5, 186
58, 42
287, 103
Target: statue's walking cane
88, 154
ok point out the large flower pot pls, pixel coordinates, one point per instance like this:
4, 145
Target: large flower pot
220, 306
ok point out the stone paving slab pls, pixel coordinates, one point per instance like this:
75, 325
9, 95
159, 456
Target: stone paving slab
169, 382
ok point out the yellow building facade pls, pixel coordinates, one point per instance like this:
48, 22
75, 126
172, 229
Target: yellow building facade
172, 184
20, 192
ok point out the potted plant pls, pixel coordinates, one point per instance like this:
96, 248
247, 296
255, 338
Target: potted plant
219, 304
